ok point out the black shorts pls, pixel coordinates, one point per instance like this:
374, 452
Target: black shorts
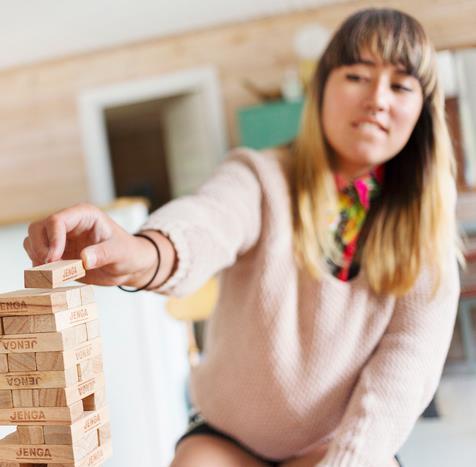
199, 426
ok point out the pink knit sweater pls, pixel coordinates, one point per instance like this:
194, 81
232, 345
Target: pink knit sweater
292, 362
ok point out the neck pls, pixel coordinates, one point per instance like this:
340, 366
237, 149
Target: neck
348, 175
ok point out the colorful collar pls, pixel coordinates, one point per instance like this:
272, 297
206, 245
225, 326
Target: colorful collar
365, 185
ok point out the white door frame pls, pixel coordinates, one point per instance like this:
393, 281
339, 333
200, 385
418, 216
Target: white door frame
92, 105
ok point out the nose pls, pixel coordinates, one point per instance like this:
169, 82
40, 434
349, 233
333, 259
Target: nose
378, 97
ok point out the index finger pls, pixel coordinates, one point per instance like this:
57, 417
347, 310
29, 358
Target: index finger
75, 220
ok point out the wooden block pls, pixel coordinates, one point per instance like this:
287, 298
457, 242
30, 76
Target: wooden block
87, 294
88, 368
82, 352
25, 398
95, 401
44, 342
12, 450
95, 459
61, 397
64, 319
3, 363
83, 446
18, 325
74, 336
61, 360
41, 301
87, 423
83, 389
58, 434
44, 323
36, 397
39, 379
50, 361
21, 362
6, 399
42, 415
52, 397
29, 434
53, 275
93, 329
104, 434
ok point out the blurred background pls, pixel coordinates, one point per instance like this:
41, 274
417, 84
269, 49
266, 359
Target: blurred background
130, 104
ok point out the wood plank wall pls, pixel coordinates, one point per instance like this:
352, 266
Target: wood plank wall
41, 158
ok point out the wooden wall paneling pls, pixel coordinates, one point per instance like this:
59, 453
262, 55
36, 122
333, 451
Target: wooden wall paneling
41, 157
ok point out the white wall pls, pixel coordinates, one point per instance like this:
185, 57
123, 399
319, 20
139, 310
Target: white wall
39, 30
466, 71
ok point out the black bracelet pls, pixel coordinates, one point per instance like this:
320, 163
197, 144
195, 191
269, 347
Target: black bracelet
139, 234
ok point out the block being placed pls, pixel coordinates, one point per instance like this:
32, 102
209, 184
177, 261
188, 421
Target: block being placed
53, 275
43, 301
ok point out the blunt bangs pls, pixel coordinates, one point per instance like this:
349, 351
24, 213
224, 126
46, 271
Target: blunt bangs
388, 34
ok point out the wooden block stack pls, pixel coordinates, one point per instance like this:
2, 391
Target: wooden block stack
51, 375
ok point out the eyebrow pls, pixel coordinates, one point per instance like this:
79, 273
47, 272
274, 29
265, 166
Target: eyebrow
399, 71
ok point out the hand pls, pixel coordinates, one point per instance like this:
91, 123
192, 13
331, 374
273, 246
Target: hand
110, 255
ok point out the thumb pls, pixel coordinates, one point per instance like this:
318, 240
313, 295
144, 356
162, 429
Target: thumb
98, 255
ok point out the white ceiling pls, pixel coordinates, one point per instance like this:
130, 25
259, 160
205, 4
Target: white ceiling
35, 30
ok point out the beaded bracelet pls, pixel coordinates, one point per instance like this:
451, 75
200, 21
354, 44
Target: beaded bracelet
139, 234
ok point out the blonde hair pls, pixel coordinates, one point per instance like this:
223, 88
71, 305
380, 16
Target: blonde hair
406, 228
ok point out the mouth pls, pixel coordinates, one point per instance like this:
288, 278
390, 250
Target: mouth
369, 125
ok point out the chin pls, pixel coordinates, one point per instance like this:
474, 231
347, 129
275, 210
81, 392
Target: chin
370, 158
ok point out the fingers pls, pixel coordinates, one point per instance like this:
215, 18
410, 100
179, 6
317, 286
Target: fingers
36, 244
27, 246
55, 230
99, 255
47, 238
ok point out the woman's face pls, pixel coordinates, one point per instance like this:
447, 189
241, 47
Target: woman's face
369, 112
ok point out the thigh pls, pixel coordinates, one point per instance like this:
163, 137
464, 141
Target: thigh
209, 450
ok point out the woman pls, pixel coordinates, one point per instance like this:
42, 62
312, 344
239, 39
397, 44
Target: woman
339, 279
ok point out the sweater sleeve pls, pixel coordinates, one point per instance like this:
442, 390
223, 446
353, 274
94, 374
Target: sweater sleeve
210, 228
400, 378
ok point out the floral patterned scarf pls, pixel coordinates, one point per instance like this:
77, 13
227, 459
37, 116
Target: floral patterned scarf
354, 203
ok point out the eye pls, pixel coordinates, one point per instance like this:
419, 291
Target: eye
355, 77
401, 88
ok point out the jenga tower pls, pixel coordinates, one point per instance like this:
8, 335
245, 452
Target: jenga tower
51, 374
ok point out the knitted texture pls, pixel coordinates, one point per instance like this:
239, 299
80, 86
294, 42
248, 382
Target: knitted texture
292, 362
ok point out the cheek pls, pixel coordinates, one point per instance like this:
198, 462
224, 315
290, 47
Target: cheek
405, 121
334, 114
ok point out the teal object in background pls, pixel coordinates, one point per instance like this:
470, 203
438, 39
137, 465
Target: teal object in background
268, 125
